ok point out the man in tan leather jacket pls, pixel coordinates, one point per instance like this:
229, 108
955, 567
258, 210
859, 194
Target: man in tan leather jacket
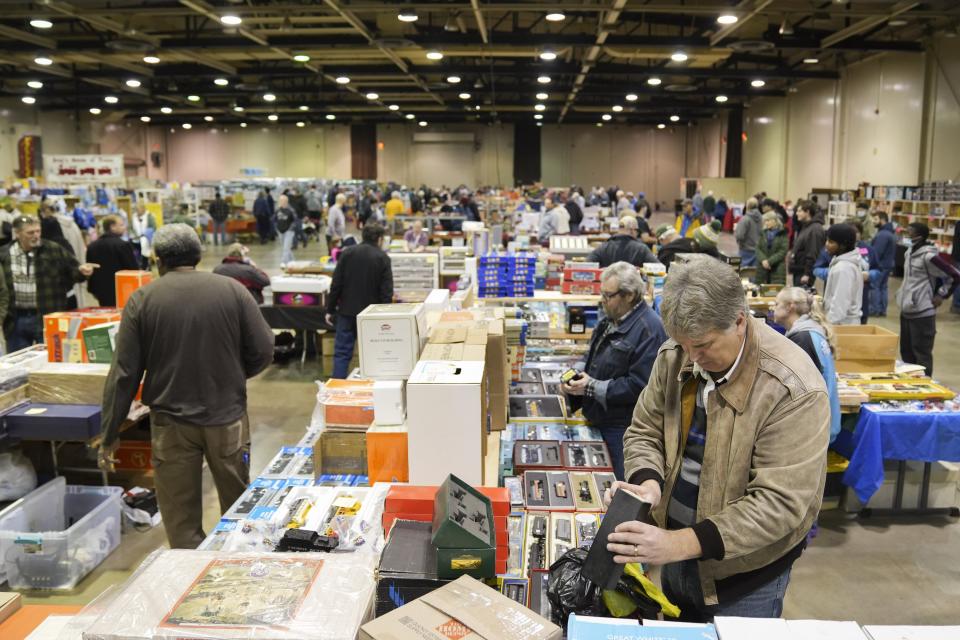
729, 443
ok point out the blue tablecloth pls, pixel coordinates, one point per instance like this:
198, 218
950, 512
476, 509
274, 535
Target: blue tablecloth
895, 435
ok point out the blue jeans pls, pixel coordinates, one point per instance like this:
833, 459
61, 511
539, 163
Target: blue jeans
26, 331
220, 232
288, 238
343, 346
613, 436
680, 582
748, 258
879, 293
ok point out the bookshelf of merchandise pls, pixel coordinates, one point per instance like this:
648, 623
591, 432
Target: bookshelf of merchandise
941, 217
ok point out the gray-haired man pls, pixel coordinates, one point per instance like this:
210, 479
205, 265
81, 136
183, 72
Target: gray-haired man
729, 443
198, 337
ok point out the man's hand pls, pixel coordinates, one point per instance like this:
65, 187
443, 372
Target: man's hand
329, 318
805, 280
866, 276
639, 542
766, 264
578, 386
105, 459
648, 491
87, 268
937, 301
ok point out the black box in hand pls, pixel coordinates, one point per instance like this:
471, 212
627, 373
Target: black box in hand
599, 566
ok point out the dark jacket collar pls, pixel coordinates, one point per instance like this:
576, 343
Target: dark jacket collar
737, 389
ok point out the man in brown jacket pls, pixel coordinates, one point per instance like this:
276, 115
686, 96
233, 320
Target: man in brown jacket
729, 443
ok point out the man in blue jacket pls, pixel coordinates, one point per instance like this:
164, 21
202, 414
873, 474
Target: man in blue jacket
885, 248
622, 351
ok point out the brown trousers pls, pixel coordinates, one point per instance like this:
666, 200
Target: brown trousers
178, 453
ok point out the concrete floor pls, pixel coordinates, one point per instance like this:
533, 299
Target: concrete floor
872, 571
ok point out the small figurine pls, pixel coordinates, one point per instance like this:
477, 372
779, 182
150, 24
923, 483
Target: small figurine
560, 489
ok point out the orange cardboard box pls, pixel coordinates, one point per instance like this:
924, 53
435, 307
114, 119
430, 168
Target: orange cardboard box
134, 455
63, 332
347, 403
129, 281
387, 454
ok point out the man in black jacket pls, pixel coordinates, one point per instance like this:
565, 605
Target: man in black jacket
808, 243
113, 254
576, 213
363, 277
623, 247
219, 211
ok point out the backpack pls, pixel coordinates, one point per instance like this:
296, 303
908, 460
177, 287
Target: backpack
285, 218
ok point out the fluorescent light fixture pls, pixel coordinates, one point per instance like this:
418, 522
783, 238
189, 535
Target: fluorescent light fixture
407, 15
599, 124
238, 109
674, 118
538, 116
144, 118
193, 98
43, 61
632, 97
757, 83
111, 99
606, 117
343, 80
166, 110
301, 57
208, 118
40, 23
151, 59
556, 16
243, 125
453, 79
394, 107
373, 95
540, 107
661, 126
304, 107
464, 96
35, 84
542, 96
422, 123
301, 124
28, 100
133, 83
721, 99
410, 116
811, 60
539, 124
273, 117
95, 111
269, 97
187, 125
544, 79
433, 54
898, 22
231, 20
548, 55
616, 108
727, 18
654, 82
330, 116
221, 82
679, 56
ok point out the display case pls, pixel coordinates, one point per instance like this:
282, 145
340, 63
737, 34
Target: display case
589, 456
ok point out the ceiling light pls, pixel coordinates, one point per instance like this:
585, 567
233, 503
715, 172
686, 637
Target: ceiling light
727, 18
208, 118
453, 79
95, 111
28, 100
539, 107
464, 96
144, 118
810, 60
269, 97
111, 99
422, 123
193, 98
539, 124
538, 116
407, 15
35, 84
301, 57
548, 55
221, 82
133, 83
556, 16
43, 61
373, 95
394, 107
661, 126
616, 108
243, 125
304, 107
476, 108
434, 55
544, 79
679, 56
477, 84
187, 125
757, 83
542, 96
654, 82
410, 116
632, 97
40, 23
599, 124
898, 22
330, 116
301, 124
166, 110
606, 117
674, 118
721, 99
238, 109
343, 80
273, 117
786, 29
151, 59
231, 20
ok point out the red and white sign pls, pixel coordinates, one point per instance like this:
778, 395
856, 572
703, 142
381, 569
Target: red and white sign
83, 168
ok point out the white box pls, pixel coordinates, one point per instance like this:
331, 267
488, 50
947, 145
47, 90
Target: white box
446, 421
300, 284
388, 405
390, 337
437, 300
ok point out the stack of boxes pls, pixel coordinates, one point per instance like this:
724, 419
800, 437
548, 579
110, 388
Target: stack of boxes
346, 407
508, 275
554, 274
516, 333
415, 275
63, 332
582, 279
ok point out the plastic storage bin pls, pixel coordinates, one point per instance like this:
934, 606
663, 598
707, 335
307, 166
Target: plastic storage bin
57, 534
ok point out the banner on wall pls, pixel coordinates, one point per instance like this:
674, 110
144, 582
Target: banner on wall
29, 154
83, 168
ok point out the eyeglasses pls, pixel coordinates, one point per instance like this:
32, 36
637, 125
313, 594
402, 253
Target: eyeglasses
606, 296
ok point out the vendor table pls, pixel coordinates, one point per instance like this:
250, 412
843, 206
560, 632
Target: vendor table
306, 321
898, 435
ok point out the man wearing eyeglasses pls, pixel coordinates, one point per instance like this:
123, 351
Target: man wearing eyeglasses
622, 351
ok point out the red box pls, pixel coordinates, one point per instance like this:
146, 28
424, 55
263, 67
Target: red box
63, 332
581, 288
582, 275
413, 499
134, 455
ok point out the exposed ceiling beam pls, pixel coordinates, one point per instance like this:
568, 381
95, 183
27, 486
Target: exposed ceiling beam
24, 36
868, 23
607, 23
107, 24
481, 22
209, 11
745, 10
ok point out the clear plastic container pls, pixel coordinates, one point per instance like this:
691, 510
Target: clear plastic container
54, 536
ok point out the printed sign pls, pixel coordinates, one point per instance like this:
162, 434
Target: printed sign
83, 168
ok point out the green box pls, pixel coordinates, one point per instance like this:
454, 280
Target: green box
100, 341
462, 517
477, 563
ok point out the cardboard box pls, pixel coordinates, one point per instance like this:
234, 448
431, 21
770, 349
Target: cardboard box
347, 403
446, 417
865, 349
129, 281
68, 422
299, 291
408, 567
437, 300
10, 603
337, 452
465, 609
100, 342
62, 383
63, 332
389, 408
390, 338
387, 454
134, 455
409, 499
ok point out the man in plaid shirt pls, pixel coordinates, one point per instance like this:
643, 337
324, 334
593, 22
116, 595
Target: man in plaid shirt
37, 275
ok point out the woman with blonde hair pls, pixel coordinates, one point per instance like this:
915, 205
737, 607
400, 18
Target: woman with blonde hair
772, 251
806, 323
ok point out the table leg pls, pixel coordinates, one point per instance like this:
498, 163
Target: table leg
53, 456
922, 509
901, 480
